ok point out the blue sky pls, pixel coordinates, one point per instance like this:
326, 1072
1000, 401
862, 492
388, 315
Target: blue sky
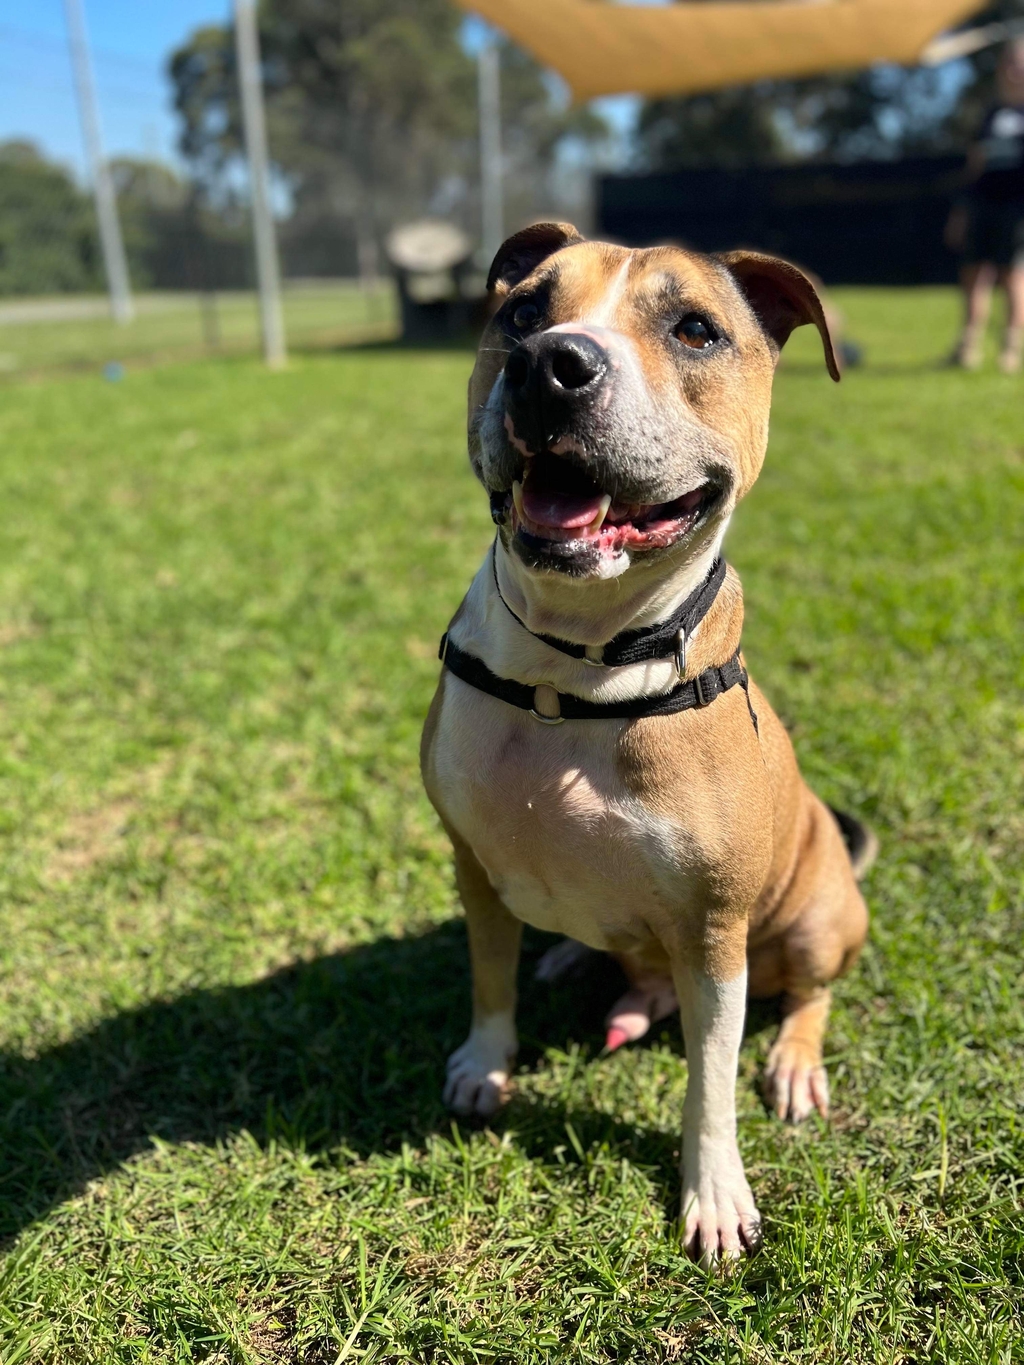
130, 41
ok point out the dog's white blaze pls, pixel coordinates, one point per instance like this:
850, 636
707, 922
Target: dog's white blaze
605, 313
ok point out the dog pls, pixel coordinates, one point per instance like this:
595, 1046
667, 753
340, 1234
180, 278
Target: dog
596, 751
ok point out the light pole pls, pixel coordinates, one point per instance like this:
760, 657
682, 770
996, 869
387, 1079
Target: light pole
492, 185
111, 244
247, 47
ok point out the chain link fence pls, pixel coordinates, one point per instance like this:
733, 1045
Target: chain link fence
189, 253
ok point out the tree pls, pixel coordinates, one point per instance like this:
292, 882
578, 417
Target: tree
884, 112
172, 239
47, 228
371, 109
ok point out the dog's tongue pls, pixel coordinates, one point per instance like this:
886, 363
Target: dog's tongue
551, 507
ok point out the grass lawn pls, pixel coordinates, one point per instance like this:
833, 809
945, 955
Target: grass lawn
232, 961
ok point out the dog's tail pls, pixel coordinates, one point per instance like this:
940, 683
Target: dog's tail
860, 840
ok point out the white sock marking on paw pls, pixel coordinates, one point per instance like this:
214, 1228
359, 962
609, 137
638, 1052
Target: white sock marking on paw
478, 1071
720, 1218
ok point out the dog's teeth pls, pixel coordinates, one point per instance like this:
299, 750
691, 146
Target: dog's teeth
598, 522
517, 498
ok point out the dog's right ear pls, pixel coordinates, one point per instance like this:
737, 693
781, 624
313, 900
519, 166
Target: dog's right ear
782, 298
525, 250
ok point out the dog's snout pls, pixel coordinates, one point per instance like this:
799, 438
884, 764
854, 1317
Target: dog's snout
575, 363
561, 365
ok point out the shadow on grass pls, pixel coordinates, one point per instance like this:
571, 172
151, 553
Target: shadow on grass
346, 1050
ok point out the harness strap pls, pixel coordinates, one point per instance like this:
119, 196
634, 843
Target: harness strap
647, 642
685, 696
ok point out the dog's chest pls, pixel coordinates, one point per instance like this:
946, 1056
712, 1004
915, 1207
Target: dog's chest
547, 814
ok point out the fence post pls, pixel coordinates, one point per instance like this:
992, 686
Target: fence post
111, 243
492, 180
247, 47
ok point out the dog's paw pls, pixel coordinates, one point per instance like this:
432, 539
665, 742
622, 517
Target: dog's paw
720, 1218
795, 1081
477, 1083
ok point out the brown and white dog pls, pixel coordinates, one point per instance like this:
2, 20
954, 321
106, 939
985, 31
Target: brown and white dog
617, 412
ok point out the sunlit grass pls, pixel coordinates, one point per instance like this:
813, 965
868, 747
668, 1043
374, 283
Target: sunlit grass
233, 963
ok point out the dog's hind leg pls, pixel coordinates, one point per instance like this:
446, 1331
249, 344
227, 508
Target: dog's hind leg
795, 1080
819, 944
478, 1072
651, 996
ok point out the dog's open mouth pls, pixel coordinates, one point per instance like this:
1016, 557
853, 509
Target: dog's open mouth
557, 501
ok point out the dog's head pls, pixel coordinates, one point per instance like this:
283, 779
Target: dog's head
619, 404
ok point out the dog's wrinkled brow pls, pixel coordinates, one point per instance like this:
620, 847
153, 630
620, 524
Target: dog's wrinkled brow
545, 278
665, 292
662, 282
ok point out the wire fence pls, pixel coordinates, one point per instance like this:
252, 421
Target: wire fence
190, 256
76, 331
348, 170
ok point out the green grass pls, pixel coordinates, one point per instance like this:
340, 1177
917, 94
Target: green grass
182, 325
232, 960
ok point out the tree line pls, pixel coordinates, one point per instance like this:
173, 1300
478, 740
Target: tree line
371, 110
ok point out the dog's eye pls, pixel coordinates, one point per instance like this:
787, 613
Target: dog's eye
525, 316
696, 332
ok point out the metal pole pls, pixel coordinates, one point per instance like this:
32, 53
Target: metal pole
492, 190
247, 46
111, 243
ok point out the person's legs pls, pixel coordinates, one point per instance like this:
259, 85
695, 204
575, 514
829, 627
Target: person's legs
977, 281
1013, 339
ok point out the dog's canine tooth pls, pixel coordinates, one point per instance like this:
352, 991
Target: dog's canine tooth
517, 498
598, 522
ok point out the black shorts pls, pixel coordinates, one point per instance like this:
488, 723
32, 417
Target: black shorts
995, 233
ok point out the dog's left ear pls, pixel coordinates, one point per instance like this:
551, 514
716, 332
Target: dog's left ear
782, 298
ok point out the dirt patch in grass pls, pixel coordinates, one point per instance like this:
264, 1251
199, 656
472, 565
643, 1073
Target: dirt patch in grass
88, 839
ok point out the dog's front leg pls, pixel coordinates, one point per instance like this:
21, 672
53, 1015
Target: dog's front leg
720, 1218
478, 1071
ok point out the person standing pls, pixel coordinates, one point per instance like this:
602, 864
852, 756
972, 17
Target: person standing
988, 226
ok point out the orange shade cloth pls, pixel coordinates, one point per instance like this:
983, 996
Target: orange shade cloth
606, 49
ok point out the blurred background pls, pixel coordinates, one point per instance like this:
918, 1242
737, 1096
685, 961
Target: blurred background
374, 121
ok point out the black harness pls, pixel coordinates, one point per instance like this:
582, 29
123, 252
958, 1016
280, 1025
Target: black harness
649, 642
667, 639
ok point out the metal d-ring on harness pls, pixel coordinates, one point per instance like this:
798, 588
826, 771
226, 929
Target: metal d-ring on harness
667, 639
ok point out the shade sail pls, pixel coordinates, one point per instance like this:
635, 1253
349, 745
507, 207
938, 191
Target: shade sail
605, 49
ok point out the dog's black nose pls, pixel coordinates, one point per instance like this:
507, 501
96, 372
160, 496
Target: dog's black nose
559, 366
